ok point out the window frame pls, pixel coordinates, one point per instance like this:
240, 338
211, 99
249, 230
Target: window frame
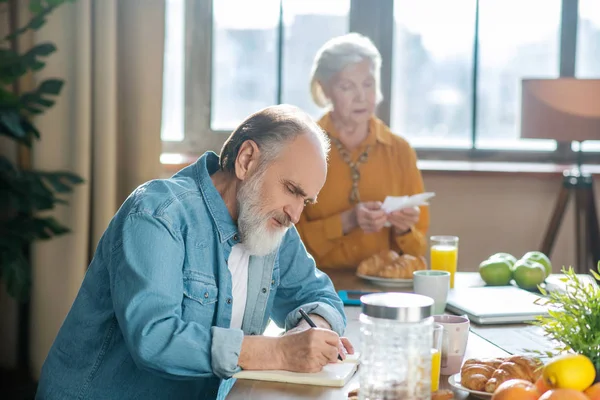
375, 22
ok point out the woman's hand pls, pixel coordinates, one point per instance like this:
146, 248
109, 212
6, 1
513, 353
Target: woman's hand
403, 220
367, 216
370, 217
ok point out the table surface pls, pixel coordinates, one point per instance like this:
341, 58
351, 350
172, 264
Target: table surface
477, 347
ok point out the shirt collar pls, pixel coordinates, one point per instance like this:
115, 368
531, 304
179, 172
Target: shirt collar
204, 167
378, 131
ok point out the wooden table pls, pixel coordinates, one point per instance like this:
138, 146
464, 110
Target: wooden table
477, 347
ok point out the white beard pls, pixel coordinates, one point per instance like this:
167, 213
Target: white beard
255, 233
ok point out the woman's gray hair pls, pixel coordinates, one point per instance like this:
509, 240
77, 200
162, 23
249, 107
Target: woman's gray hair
338, 53
271, 128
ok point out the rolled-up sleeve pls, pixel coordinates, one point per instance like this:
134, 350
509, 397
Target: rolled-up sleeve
225, 351
147, 289
303, 286
330, 314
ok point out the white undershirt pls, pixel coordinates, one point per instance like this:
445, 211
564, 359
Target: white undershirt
238, 266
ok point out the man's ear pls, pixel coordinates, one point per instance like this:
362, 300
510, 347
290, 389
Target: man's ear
247, 159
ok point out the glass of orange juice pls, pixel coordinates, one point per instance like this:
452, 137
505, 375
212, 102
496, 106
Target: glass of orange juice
444, 255
436, 357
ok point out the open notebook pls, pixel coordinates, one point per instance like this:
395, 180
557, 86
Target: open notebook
336, 375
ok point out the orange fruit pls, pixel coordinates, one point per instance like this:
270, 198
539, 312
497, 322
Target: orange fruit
516, 389
542, 386
593, 392
563, 394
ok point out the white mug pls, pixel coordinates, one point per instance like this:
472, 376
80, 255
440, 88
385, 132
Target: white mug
434, 284
454, 341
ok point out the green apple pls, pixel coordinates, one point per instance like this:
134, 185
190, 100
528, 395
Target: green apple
541, 258
504, 256
528, 274
496, 272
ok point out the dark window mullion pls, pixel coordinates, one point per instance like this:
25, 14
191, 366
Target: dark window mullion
568, 37
375, 19
567, 57
475, 78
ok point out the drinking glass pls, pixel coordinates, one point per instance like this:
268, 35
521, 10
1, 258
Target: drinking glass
444, 255
436, 356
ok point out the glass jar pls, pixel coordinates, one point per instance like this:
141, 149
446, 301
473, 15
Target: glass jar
396, 331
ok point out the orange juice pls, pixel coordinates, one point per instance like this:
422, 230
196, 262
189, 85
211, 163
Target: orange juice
436, 361
445, 258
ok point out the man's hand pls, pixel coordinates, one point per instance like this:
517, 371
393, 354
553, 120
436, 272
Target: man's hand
309, 350
344, 345
403, 220
301, 349
319, 321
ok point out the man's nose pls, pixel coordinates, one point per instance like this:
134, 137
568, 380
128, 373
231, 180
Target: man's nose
294, 211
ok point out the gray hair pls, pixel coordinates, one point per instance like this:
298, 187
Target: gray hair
271, 129
335, 55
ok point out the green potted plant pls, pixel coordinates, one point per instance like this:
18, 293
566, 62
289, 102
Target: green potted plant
574, 317
24, 192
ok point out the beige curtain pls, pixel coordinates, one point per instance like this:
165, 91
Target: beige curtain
105, 127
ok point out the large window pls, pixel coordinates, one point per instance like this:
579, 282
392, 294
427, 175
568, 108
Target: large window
262, 53
173, 115
588, 51
517, 39
432, 72
452, 70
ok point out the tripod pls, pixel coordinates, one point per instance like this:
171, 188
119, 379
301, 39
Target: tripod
580, 184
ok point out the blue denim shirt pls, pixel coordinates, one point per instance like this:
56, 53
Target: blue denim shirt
152, 317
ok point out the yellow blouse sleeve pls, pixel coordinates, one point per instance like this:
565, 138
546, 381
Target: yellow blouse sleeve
413, 242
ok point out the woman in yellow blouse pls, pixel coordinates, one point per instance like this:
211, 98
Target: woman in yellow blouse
367, 162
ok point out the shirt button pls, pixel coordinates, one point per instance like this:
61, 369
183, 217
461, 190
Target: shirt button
273, 282
206, 295
264, 290
236, 238
229, 300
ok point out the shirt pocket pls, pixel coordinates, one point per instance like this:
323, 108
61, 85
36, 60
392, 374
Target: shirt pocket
200, 295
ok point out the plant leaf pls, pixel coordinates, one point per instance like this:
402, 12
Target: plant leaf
13, 65
30, 128
35, 6
35, 23
50, 86
35, 100
16, 274
10, 125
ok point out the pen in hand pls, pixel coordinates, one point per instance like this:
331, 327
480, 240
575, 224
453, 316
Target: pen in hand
313, 325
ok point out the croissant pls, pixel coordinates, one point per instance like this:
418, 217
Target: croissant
372, 265
476, 376
442, 395
486, 374
388, 264
439, 395
515, 367
403, 267
493, 362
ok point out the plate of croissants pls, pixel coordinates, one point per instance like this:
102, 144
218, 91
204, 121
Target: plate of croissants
390, 269
480, 377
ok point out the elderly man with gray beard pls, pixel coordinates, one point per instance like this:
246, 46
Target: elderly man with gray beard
192, 268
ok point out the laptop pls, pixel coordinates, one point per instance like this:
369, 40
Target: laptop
495, 304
